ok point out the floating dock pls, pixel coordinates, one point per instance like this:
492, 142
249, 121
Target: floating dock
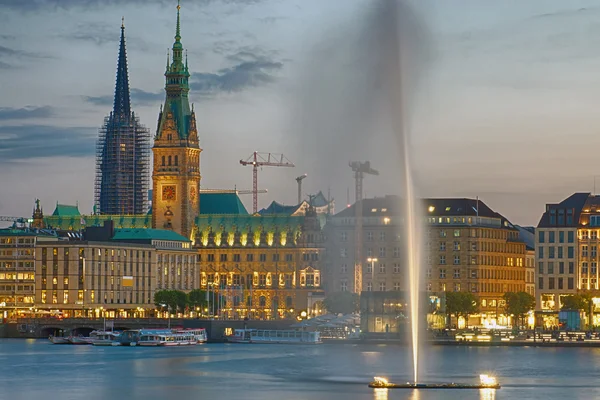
486, 382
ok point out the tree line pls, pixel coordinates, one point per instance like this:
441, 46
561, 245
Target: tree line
178, 301
464, 304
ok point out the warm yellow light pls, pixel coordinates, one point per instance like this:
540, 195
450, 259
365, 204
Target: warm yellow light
303, 314
256, 238
283, 239
386, 221
244, 238
380, 381
431, 208
218, 238
230, 238
270, 236
487, 380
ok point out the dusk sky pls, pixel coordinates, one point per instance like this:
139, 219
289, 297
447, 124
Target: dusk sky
506, 110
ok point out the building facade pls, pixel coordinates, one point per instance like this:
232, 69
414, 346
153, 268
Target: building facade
260, 267
113, 273
122, 153
467, 247
176, 169
17, 270
567, 255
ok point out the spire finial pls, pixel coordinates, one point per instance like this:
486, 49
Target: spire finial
178, 30
168, 55
122, 22
186, 64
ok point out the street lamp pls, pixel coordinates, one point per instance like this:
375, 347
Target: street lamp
168, 313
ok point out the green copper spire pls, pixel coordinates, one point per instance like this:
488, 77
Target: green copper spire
178, 30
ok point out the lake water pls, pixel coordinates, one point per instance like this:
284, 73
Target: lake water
36, 369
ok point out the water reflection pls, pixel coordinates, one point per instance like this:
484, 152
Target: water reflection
416, 395
381, 394
487, 394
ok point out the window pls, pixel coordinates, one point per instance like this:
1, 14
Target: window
382, 252
369, 236
561, 237
570, 283
551, 237
594, 268
289, 257
343, 286
343, 252
442, 260
456, 260
262, 257
560, 283
250, 257
540, 252
223, 257
551, 283
541, 236
561, 267
275, 257
396, 286
584, 268
442, 246
560, 252
382, 268
343, 236
429, 273
396, 252
551, 252
396, 268
370, 268
382, 286
570, 237
382, 236
457, 287
571, 267
237, 257
457, 233
442, 274
209, 257
570, 251
457, 274
540, 283
344, 268
594, 251
584, 251
456, 246
443, 233
550, 268
369, 286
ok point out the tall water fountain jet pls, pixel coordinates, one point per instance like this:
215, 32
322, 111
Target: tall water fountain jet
356, 99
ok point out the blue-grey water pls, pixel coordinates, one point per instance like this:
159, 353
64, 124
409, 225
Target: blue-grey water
36, 369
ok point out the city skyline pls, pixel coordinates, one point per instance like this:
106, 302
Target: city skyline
247, 56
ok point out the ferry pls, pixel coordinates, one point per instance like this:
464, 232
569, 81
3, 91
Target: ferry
198, 333
167, 339
274, 336
103, 338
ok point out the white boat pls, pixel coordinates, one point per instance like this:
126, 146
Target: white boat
103, 338
167, 339
198, 333
79, 340
59, 340
274, 336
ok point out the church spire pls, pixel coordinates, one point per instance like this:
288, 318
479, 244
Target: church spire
178, 30
122, 105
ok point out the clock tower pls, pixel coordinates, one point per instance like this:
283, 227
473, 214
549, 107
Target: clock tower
176, 170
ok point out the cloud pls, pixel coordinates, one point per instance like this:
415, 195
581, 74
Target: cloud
97, 33
19, 54
254, 67
35, 141
29, 112
139, 97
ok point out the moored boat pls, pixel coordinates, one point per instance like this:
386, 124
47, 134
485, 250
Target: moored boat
198, 333
167, 339
58, 339
274, 336
103, 338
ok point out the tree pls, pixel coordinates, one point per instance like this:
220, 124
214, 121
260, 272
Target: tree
197, 299
168, 300
519, 304
461, 304
342, 303
574, 302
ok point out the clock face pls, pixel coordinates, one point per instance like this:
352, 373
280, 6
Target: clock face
193, 193
168, 192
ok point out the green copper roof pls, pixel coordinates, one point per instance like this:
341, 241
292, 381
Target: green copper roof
244, 223
65, 210
147, 234
221, 203
76, 223
23, 232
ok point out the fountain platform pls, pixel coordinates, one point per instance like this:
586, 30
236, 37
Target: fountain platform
486, 382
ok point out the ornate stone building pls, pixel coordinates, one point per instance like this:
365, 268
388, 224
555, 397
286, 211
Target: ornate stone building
176, 168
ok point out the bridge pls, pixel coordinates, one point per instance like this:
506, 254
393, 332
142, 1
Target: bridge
44, 327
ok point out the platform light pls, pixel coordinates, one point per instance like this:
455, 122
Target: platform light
487, 380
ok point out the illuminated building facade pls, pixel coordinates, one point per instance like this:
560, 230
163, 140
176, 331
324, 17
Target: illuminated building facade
567, 242
114, 273
263, 267
468, 247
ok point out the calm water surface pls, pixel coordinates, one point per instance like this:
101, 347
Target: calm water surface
36, 369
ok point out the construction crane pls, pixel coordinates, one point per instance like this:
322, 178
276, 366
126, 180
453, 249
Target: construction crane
263, 160
232, 191
299, 180
359, 169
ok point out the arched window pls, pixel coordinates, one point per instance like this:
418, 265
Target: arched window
163, 161
169, 160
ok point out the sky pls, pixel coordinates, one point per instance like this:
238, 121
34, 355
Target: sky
503, 104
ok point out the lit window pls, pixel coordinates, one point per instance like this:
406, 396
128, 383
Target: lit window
431, 208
